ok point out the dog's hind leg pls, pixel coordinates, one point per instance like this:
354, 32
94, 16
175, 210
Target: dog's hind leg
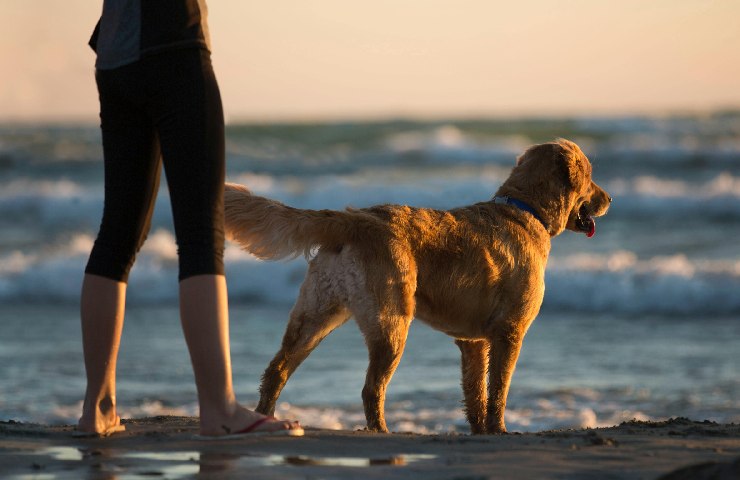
474, 371
385, 341
306, 328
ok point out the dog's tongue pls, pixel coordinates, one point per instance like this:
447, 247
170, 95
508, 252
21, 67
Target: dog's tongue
591, 227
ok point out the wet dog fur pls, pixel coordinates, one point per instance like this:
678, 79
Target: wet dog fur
475, 273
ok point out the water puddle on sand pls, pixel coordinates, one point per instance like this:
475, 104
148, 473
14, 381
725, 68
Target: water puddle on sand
62, 453
184, 464
397, 460
186, 456
215, 461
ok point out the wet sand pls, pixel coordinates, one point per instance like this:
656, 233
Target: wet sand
165, 447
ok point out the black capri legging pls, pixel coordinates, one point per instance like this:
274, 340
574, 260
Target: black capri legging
165, 108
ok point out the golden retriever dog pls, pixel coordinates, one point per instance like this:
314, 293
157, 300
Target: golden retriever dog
476, 273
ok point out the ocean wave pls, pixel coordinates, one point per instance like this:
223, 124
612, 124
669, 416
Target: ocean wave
309, 149
676, 198
449, 144
619, 281
547, 410
47, 210
51, 207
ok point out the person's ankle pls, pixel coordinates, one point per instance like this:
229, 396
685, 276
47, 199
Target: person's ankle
98, 414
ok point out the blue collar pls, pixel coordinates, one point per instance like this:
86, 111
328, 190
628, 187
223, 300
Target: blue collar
506, 200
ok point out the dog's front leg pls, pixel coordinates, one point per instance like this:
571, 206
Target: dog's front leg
474, 370
503, 356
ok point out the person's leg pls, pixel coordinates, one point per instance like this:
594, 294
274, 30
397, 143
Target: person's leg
205, 323
102, 311
192, 143
131, 158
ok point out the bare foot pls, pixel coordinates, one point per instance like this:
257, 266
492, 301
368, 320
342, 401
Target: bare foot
244, 421
100, 420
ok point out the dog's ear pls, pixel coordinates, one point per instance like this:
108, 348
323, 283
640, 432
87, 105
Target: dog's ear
543, 150
576, 167
561, 160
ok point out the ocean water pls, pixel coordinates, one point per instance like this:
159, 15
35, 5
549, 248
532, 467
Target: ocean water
641, 321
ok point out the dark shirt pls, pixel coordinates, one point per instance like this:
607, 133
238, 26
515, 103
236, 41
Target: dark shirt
131, 29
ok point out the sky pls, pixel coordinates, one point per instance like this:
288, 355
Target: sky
340, 59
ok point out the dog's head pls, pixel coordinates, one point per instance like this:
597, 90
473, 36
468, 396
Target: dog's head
556, 178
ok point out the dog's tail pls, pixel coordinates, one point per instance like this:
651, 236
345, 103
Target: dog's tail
271, 230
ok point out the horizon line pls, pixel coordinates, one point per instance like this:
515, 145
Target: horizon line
368, 117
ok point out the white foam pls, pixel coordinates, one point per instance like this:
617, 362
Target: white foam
723, 185
161, 245
544, 415
619, 281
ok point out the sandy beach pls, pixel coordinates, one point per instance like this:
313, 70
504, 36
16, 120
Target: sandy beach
165, 447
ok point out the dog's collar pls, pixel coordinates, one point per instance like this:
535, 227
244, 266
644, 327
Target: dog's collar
506, 200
